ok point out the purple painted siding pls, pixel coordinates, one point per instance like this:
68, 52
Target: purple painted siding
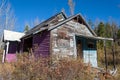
41, 44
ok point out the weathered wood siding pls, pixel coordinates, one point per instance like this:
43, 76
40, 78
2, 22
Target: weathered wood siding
79, 28
41, 44
63, 38
64, 41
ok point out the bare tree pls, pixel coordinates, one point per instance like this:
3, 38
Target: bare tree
71, 5
36, 21
32, 23
7, 17
63, 10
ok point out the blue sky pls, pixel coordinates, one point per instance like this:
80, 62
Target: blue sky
28, 10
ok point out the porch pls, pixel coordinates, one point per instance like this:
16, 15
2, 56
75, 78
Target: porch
87, 50
90, 50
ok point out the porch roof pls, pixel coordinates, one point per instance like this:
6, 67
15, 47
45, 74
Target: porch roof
12, 35
94, 37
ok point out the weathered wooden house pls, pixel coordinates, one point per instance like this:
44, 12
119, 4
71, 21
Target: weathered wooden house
63, 37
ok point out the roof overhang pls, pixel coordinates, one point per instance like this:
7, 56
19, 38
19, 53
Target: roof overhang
12, 35
94, 37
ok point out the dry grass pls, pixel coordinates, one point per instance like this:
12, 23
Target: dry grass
101, 60
30, 68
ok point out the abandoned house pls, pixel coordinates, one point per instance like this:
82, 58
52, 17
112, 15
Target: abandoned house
63, 37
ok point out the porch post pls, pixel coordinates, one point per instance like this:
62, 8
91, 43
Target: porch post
106, 64
75, 48
7, 48
113, 51
4, 51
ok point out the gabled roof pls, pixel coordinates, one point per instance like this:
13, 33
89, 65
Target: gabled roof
12, 35
85, 23
42, 26
72, 17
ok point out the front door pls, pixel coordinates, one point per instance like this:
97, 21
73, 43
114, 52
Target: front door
79, 49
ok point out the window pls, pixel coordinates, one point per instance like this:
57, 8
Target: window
91, 44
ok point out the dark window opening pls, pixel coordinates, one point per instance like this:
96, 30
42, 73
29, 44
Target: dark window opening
77, 19
13, 47
91, 45
27, 46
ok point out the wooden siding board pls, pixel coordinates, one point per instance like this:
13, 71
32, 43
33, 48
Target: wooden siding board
62, 39
41, 44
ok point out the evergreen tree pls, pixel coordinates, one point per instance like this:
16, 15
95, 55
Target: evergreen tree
118, 34
108, 33
114, 30
26, 28
108, 30
101, 29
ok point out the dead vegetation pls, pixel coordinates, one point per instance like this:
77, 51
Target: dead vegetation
101, 60
30, 68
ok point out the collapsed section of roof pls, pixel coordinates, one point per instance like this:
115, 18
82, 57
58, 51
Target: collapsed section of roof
47, 23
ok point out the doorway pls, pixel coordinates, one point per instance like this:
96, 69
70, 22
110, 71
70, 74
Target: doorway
27, 44
79, 47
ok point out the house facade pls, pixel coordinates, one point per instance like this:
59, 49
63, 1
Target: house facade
68, 40
61, 37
